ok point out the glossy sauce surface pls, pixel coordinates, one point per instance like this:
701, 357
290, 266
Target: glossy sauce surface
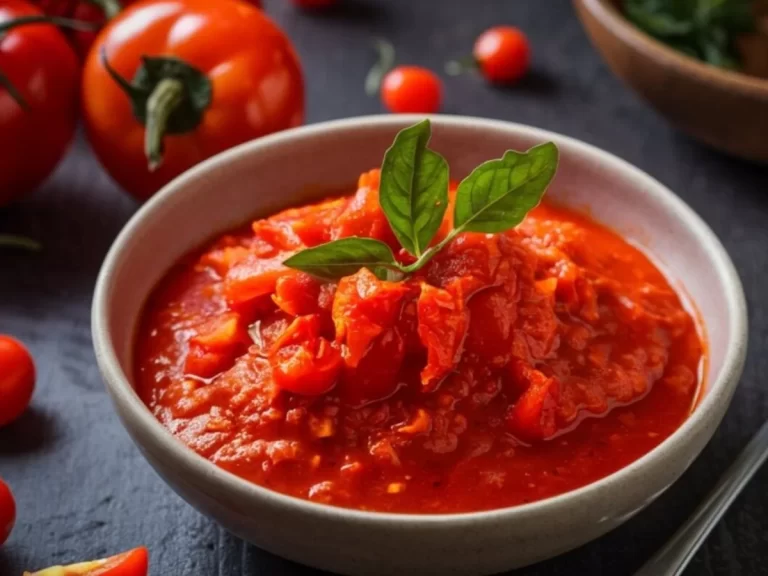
512, 368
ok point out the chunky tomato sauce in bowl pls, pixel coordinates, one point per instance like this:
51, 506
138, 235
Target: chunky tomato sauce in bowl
519, 394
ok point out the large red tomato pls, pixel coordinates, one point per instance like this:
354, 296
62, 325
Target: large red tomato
39, 77
170, 83
97, 12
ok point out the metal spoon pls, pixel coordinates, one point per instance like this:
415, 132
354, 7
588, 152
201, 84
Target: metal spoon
672, 559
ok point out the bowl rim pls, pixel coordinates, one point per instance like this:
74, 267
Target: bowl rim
612, 20
219, 480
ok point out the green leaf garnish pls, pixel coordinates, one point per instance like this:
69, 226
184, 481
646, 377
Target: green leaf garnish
413, 189
345, 257
413, 194
498, 194
704, 29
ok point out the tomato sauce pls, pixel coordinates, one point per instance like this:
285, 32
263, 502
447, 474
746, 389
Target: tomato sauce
513, 367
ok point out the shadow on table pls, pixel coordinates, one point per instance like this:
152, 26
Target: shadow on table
728, 168
76, 221
33, 430
5, 565
348, 12
536, 82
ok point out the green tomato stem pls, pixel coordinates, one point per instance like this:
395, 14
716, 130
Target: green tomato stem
165, 98
54, 20
111, 8
13, 241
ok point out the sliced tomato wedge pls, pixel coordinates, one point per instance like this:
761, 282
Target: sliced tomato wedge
132, 563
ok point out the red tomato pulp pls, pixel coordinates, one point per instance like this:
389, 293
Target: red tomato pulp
513, 367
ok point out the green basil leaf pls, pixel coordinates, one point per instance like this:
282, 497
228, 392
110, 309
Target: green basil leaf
498, 194
344, 257
658, 24
413, 191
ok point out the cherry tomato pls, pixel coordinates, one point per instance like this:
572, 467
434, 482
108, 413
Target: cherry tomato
132, 563
503, 54
95, 11
199, 89
7, 512
17, 379
303, 362
38, 119
411, 89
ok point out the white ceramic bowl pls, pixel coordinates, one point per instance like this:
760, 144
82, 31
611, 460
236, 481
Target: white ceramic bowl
271, 173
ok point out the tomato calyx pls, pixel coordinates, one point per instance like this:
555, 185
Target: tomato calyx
168, 96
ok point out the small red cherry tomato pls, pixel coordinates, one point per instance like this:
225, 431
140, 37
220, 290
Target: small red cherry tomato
132, 563
7, 512
411, 89
39, 77
17, 379
170, 83
503, 54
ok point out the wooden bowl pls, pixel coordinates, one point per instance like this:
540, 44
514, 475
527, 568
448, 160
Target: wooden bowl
727, 110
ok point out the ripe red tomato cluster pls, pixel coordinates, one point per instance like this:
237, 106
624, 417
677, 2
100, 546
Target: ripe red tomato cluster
17, 382
154, 101
502, 55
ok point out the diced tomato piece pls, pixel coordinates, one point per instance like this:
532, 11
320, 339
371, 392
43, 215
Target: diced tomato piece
304, 362
363, 217
492, 314
470, 255
313, 223
280, 235
376, 375
547, 287
206, 364
266, 331
534, 415
223, 332
408, 325
363, 308
217, 342
443, 321
369, 179
222, 259
253, 277
132, 563
297, 294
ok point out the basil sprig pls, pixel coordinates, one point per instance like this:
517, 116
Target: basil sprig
413, 194
413, 188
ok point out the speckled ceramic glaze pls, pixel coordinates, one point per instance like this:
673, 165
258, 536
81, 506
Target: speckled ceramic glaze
260, 177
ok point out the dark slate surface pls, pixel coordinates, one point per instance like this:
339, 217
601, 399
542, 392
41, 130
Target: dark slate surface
82, 488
